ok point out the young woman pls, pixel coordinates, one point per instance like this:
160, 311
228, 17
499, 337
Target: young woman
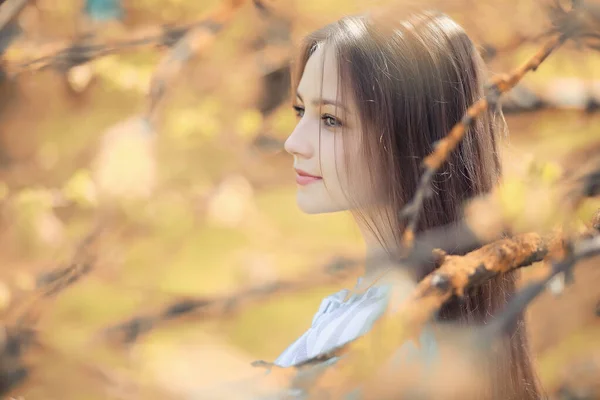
372, 97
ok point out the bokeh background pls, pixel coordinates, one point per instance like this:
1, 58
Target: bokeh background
202, 207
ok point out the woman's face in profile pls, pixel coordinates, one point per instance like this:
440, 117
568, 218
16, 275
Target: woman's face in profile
320, 109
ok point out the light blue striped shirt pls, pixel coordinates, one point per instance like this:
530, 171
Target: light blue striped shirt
338, 322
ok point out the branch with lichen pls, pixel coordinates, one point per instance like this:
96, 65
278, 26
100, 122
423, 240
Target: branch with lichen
572, 253
454, 276
360, 359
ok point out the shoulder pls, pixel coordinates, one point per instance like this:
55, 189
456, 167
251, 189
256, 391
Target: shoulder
346, 302
331, 303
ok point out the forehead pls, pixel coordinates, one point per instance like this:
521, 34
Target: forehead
321, 68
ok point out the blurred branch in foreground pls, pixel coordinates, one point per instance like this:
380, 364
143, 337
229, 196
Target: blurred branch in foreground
33, 56
453, 277
28, 56
358, 361
209, 307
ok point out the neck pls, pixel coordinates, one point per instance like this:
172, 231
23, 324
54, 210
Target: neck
379, 253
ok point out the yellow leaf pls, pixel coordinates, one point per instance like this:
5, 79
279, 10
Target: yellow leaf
249, 124
81, 189
550, 172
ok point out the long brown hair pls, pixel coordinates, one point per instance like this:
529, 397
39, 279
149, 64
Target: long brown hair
412, 81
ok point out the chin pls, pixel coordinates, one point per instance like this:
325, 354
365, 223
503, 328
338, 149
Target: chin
316, 206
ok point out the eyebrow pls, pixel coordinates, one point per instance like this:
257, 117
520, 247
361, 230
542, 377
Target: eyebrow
324, 102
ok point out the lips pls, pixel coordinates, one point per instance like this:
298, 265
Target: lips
304, 178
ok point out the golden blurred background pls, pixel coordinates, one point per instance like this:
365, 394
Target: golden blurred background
201, 206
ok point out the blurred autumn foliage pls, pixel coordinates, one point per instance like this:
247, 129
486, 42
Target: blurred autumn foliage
151, 245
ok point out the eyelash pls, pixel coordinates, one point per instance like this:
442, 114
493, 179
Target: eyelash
299, 111
325, 117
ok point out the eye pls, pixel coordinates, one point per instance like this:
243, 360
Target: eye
331, 121
299, 111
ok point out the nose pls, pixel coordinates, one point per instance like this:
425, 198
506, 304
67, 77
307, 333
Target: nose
298, 143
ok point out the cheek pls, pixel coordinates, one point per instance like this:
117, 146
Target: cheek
340, 159
333, 160
353, 177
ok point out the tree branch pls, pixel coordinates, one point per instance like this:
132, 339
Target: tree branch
582, 249
65, 54
208, 307
455, 275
